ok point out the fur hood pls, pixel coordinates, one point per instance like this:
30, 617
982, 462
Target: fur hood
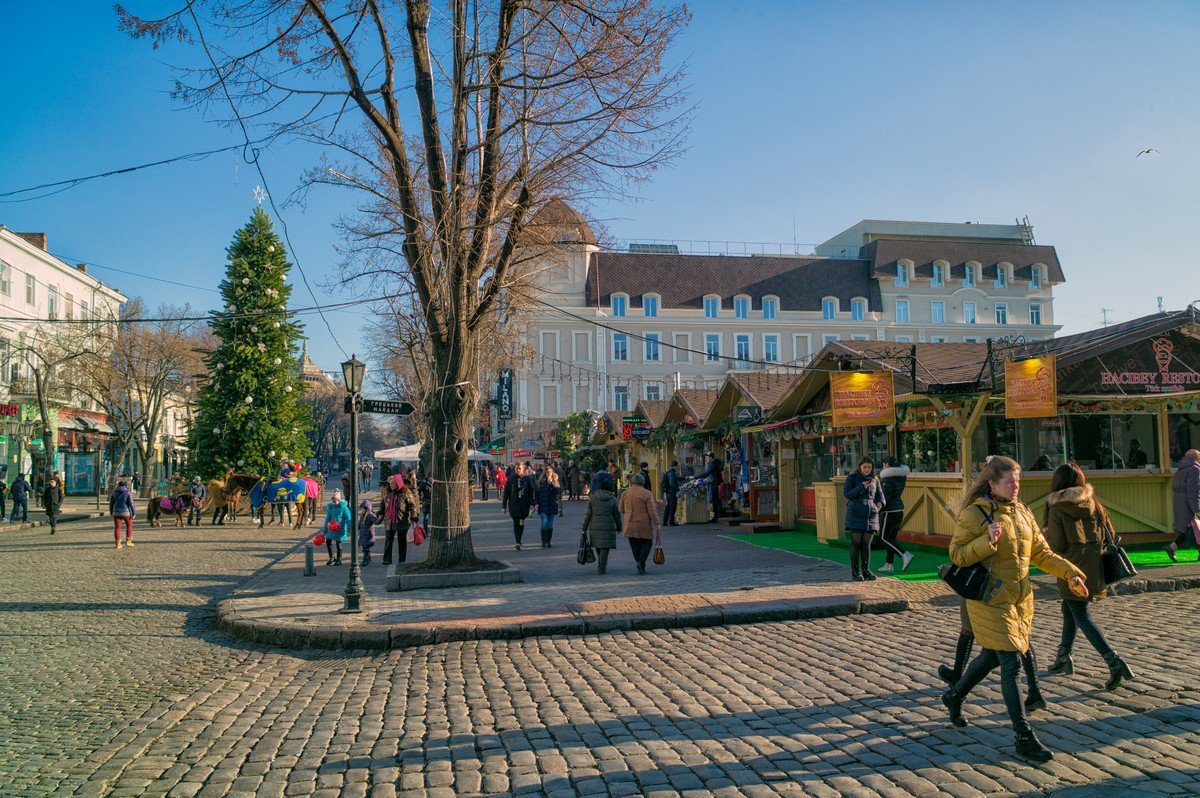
1083, 496
895, 471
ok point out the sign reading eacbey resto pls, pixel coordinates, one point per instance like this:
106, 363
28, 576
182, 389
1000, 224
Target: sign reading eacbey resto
1031, 387
1166, 363
862, 398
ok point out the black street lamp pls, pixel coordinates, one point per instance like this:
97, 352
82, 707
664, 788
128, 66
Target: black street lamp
354, 370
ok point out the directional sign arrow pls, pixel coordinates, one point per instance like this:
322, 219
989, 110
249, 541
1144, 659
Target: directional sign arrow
389, 407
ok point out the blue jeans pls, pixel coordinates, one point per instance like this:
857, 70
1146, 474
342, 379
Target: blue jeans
547, 526
23, 506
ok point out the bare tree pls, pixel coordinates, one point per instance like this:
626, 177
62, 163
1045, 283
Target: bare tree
512, 103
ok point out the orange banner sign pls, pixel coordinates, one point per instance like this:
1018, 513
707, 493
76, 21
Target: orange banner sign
862, 398
1031, 388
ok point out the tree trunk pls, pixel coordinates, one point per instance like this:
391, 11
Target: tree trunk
449, 425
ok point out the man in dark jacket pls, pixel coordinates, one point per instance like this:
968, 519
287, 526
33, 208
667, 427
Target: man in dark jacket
893, 477
1186, 499
52, 498
670, 491
20, 497
714, 472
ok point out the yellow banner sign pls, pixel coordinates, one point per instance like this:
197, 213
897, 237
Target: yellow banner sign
1031, 388
862, 398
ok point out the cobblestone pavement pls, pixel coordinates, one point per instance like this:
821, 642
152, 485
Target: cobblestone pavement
116, 683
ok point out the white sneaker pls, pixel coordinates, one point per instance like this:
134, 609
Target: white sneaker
908, 558
886, 568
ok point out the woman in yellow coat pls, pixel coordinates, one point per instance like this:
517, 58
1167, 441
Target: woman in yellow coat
995, 528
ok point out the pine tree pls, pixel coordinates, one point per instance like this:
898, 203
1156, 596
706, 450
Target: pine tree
249, 416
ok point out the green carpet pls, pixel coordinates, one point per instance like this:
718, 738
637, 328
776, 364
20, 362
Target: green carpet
924, 565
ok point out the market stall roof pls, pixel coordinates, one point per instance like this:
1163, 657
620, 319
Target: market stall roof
654, 410
759, 389
411, 453
690, 403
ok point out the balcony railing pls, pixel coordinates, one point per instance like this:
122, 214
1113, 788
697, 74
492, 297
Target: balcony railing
26, 388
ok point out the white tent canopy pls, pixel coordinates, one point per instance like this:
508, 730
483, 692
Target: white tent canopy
410, 454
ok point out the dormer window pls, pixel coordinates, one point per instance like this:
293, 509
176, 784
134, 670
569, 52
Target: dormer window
1002, 276
741, 307
901, 274
939, 275
858, 309
829, 308
1035, 278
620, 303
712, 305
650, 305
770, 307
969, 276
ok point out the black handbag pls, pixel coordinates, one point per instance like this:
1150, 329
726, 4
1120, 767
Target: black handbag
1114, 559
969, 581
586, 554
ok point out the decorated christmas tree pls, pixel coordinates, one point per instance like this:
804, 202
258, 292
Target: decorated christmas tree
249, 416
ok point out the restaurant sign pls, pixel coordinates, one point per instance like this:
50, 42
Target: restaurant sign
1030, 387
636, 428
863, 398
1167, 363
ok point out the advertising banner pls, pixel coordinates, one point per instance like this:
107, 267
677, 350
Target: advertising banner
1030, 388
635, 428
504, 395
862, 398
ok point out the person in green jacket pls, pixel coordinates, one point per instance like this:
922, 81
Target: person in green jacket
602, 518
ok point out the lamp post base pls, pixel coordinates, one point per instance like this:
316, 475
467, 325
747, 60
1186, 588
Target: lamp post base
352, 597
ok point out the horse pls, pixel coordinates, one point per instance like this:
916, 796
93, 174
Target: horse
283, 492
158, 505
225, 495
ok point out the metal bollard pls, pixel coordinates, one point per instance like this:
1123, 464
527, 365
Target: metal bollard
308, 560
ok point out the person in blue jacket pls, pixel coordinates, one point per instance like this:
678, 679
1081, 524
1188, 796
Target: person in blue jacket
336, 511
714, 472
547, 498
864, 500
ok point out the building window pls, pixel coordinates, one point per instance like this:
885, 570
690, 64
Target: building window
969, 276
858, 309
549, 400
828, 338
5, 279
620, 351
712, 304
652, 350
860, 337
52, 302
901, 274
650, 306
938, 279
904, 339
937, 312
653, 392
70, 307
1035, 313
771, 348
742, 348
968, 313
619, 304
829, 308
30, 290
581, 349
1002, 276
621, 397
970, 339
770, 307
741, 307
939, 339
83, 316
549, 344
712, 348
1035, 278
683, 345
902, 311
1001, 313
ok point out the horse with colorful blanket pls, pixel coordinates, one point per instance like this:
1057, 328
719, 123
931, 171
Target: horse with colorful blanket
283, 492
159, 505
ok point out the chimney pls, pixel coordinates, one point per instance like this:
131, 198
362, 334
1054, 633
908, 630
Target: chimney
37, 239
82, 267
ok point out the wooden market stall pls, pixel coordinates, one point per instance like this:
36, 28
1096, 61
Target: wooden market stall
686, 410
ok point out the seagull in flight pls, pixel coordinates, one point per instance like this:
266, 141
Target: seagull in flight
1146, 152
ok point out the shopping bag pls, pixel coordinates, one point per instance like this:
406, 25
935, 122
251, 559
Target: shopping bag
585, 554
416, 534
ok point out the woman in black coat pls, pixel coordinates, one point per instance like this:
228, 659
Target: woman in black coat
518, 498
864, 500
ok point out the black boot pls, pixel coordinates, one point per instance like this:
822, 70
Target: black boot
1029, 662
1063, 664
1030, 747
954, 701
1118, 671
962, 653
855, 574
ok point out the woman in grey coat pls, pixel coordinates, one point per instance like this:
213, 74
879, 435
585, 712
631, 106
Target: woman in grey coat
602, 519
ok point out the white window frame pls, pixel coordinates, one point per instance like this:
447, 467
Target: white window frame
902, 317
652, 340
901, 273
657, 386
623, 338
1002, 313
624, 303
618, 389
1035, 313
778, 348
829, 308
970, 278
1035, 277
651, 301
974, 313
740, 310
684, 354
553, 389
808, 350
770, 307
52, 297
5, 278
829, 338
716, 307
542, 336
938, 278
937, 307
709, 357
1001, 275
587, 345
858, 309
749, 347
30, 289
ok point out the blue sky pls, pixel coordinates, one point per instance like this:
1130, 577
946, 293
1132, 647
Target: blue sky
810, 116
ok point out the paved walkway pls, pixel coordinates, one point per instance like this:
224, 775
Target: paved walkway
708, 580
